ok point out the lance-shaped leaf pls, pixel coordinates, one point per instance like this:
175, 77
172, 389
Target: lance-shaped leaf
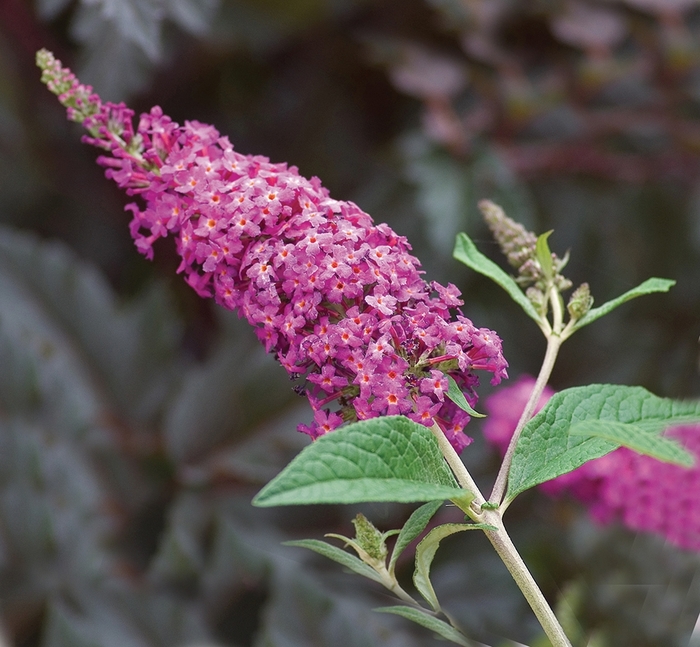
454, 394
583, 423
355, 564
390, 458
466, 252
544, 255
425, 619
425, 552
649, 286
413, 527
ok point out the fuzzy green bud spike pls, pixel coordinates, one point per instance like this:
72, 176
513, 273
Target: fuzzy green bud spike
580, 302
517, 243
525, 251
537, 298
369, 538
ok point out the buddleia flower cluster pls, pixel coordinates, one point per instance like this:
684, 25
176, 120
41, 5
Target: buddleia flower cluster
338, 300
639, 491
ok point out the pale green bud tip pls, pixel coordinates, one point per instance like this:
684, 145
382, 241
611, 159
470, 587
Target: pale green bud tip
59, 79
369, 538
580, 302
79, 99
44, 58
491, 211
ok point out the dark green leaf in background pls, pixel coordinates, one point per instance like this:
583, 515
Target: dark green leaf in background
60, 308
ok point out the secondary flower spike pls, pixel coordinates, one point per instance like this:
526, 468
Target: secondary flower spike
339, 300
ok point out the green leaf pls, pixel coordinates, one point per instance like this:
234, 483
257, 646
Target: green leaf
413, 527
544, 255
466, 252
547, 447
637, 438
425, 552
455, 394
355, 564
649, 286
390, 458
425, 619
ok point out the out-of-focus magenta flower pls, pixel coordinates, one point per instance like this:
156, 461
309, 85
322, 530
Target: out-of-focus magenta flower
338, 300
505, 407
643, 493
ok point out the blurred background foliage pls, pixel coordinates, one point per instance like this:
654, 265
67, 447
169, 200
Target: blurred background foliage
137, 421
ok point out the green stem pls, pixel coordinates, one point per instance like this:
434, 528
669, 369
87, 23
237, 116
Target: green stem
504, 546
523, 578
464, 478
553, 344
389, 581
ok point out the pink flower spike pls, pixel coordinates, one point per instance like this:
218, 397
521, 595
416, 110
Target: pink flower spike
338, 300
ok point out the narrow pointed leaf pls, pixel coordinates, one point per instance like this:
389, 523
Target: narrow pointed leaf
355, 564
466, 252
547, 447
649, 286
425, 619
544, 255
413, 527
637, 438
425, 552
455, 394
390, 458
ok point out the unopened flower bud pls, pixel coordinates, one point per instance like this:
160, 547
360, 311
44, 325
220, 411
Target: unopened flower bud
537, 298
520, 248
369, 538
580, 302
516, 242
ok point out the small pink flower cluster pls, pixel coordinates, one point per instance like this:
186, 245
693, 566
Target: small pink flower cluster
337, 299
645, 494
